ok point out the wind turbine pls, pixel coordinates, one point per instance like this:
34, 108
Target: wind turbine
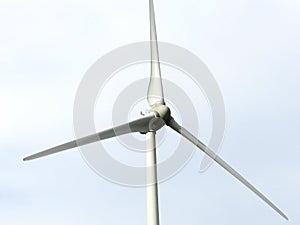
158, 116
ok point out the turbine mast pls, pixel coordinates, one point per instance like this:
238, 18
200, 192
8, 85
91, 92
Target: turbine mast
152, 186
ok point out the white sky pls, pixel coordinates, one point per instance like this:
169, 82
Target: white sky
252, 48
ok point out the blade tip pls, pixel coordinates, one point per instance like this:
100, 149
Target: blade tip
283, 215
27, 158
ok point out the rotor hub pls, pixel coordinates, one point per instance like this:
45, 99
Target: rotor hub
162, 111
162, 117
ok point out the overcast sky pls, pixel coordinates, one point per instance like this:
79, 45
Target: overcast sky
251, 46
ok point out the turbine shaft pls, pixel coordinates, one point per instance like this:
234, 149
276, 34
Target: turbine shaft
152, 188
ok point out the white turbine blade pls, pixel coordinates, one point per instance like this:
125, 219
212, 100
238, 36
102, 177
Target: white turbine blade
139, 125
155, 90
152, 189
174, 125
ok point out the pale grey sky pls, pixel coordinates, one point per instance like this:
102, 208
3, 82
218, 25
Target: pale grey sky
251, 47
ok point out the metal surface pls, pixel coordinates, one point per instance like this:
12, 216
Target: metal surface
152, 188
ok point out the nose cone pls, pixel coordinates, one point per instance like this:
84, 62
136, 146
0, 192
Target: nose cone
162, 111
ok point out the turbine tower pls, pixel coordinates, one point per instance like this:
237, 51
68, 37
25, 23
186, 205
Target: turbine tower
158, 116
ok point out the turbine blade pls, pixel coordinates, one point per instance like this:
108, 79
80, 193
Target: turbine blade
155, 90
139, 125
175, 126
